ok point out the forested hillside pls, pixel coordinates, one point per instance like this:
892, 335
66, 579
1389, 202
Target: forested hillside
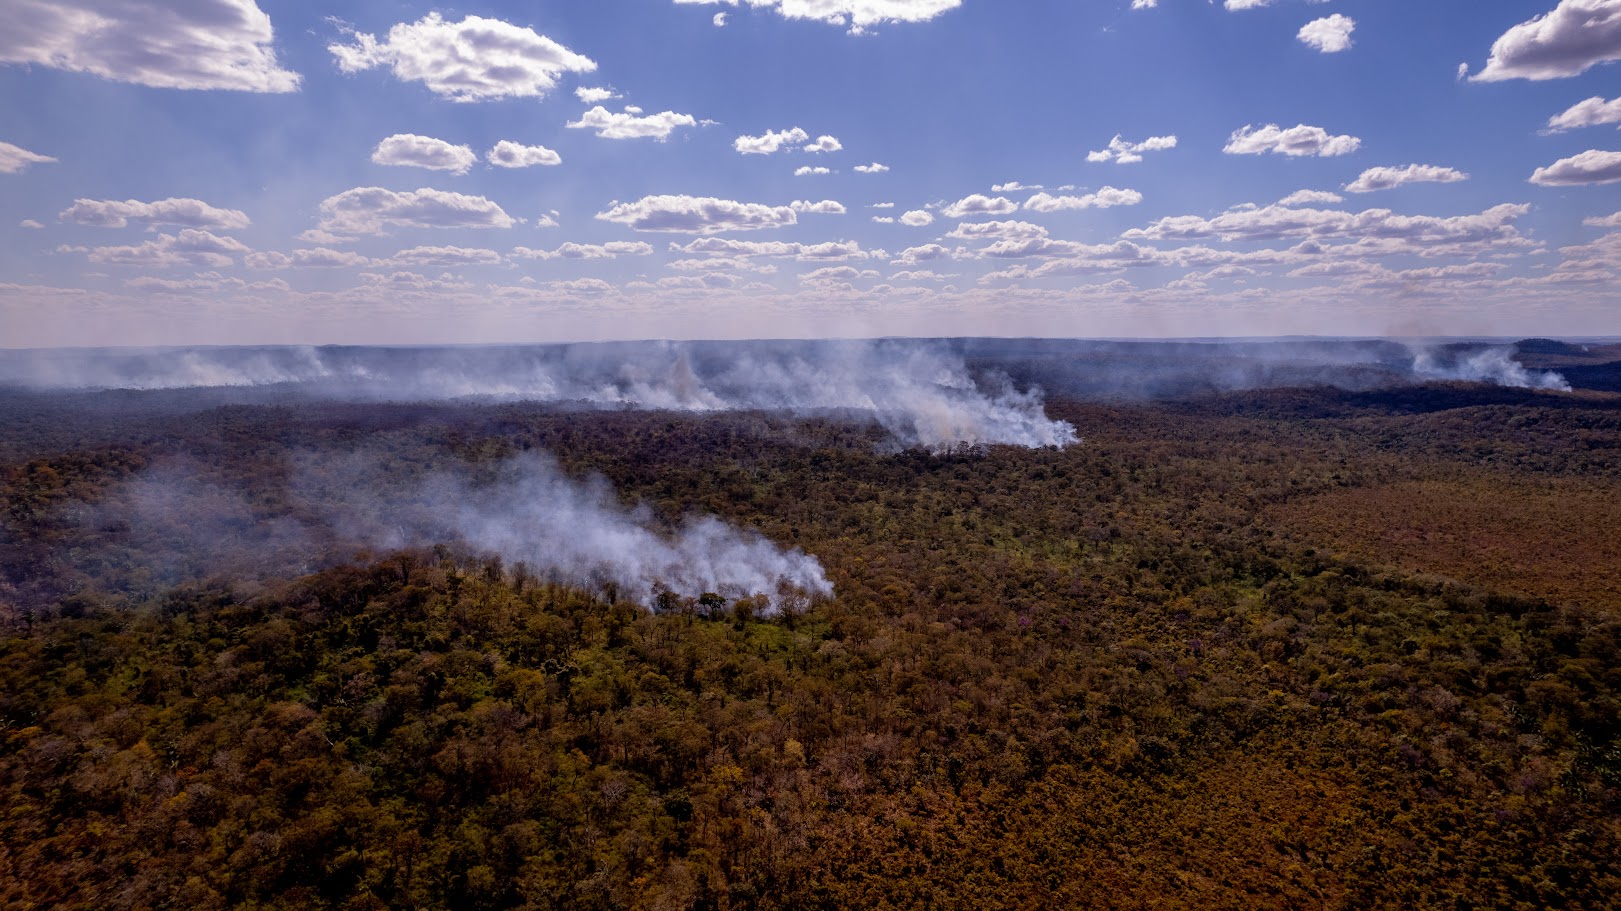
1287, 649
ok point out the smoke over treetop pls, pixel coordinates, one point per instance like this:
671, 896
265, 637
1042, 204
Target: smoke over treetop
922, 393
180, 523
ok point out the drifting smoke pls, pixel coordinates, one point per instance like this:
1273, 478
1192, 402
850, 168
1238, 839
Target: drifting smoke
1494, 365
572, 531
923, 394
182, 528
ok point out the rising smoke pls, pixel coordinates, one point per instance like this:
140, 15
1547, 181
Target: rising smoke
179, 526
923, 394
526, 510
1495, 365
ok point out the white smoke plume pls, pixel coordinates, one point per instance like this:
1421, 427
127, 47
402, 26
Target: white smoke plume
177, 525
1494, 365
572, 531
923, 394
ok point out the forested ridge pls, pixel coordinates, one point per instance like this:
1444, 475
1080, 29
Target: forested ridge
1238, 651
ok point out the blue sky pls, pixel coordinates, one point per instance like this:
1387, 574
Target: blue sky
220, 171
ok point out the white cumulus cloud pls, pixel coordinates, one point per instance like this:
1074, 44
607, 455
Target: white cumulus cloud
413, 151
610, 250
770, 141
1593, 112
697, 215
825, 144
509, 154
1105, 198
980, 204
1296, 141
195, 44
1495, 226
443, 256
1590, 167
631, 123
372, 210
187, 213
917, 218
1121, 152
1575, 35
1311, 198
310, 258
1375, 179
1331, 34
15, 158
808, 171
874, 168
594, 95
856, 15
476, 59
190, 247
825, 207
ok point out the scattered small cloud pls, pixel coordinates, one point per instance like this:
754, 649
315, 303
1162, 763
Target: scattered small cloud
413, 151
1311, 198
1590, 167
190, 247
372, 210
856, 16
509, 154
1121, 152
1297, 141
309, 258
824, 144
979, 204
610, 250
1105, 198
594, 95
770, 141
419, 257
917, 218
1375, 179
1330, 34
15, 159
1593, 112
808, 171
476, 59
825, 207
697, 215
631, 124
874, 168
189, 213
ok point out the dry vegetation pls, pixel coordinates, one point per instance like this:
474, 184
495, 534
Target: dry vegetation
1277, 650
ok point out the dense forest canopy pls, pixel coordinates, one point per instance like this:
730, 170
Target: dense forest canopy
1250, 641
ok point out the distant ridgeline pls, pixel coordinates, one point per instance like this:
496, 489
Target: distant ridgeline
926, 390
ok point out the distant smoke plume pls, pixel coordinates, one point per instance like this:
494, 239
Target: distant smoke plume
176, 526
1484, 365
921, 393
